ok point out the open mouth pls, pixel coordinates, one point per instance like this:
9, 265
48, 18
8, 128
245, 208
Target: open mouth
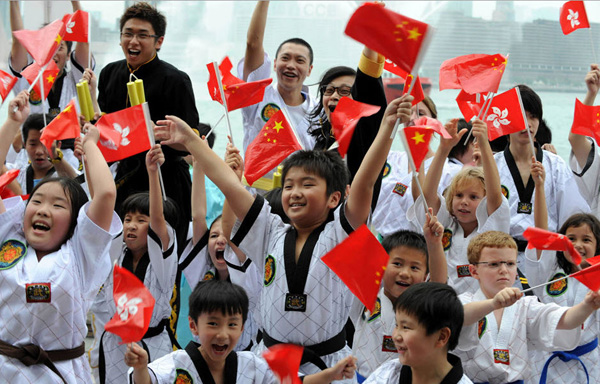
219, 349
40, 226
402, 284
295, 205
290, 75
134, 52
220, 254
332, 108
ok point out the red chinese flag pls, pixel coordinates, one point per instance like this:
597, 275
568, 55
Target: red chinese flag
134, 307
506, 114
6, 178
542, 239
274, 142
31, 72
284, 360
573, 16
64, 126
77, 26
475, 73
417, 93
7, 82
590, 276
470, 105
123, 133
586, 120
417, 139
43, 43
393, 68
344, 118
359, 261
431, 123
399, 38
238, 93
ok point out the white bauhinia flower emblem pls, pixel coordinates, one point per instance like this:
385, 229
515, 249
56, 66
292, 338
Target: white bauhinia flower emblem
5, 82
126, 307
70, 27
498, 117
573, 16
124, 140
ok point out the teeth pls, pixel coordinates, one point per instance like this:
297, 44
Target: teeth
41, 226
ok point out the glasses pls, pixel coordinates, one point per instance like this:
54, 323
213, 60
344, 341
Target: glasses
342, 90
497, 264
140, 36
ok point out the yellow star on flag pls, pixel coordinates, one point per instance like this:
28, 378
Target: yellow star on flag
50, 79
67, 109
278, 126
418, 138
413, 34
58, 39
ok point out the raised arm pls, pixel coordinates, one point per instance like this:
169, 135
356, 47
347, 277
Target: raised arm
540, 209
234, 160
82, 50
18, 54
99, 176
576, 315
173, 130
438, 267
13, 122
63, 168
358, 204
199, 226
490, 169
580, 145
477, 310
155, 157
255, 51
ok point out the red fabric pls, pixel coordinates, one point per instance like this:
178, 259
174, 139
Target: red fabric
43, 43
274, 142
506, 114
389, 66
399, 38
475, 73
542, 239
6, 178
64, 126
468, 104
76, 26
49, 76
344, 118
586, 120
417, 138
417, 93
284, 360
123, 133
573, 16
7, 82
238, 93
134, 307
590, 276
359, 261
428, 122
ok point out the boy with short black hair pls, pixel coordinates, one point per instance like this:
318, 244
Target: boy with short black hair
429, 317
307, 303
501, 326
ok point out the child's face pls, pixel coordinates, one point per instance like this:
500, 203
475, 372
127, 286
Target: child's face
135, 232
36, 151
216, 246
584, 241
304, 198
218, 334
47, 218
407, 266
465, 201
415, 347
496, 270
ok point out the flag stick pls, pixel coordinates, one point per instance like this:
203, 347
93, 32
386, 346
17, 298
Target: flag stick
213, 127
526, 123
42, 97
411, 161
543, 284
592, 42
395, 130
218, 73
485, 102
488, 107
152, 142
89, 41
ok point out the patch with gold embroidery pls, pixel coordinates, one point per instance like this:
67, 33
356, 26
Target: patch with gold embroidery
208, 276
38, 293
269, 270
481, 327
386, 170
447, 239
558, 287
183, 377
11, 252
505, 191
34, 98
376, 311
268, 111
501, 356
463, 270
400, 189
388, 344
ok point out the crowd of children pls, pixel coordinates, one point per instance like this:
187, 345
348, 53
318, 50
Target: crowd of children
254, 263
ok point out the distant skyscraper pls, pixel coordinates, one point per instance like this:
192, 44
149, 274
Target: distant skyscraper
505, 11
464, 8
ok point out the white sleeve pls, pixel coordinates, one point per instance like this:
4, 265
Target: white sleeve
542, 320
539, 271
194, 260
12, 219
588, 176
499, 220
164, 263
468, 338
568, 199
416, 214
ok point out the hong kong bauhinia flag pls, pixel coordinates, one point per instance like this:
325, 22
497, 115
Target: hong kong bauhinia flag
573, 16
506, 114
77, 26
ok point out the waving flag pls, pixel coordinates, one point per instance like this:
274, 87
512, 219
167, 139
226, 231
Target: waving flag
30, 73
238, 93
123, 133
284, 360
7, 82
417, 92
586, 121
7, 177
399, 38
359, 261
590, 276
134, 307
431, 123
43, 43
275, 142
64, 126
389, 66
417, 139
542, 239
573, 16
77, 26
475, 73
344, 118
470, 105
506, 114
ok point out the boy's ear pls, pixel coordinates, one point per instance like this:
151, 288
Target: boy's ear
193, 327
334, 199
473, 271
443, 337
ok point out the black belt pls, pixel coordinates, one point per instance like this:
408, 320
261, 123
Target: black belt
32, 354
521, 244
313, 353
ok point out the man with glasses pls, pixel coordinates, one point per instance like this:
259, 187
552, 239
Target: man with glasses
168, 91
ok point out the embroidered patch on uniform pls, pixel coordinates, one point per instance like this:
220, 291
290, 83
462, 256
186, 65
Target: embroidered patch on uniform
525, 208
268, 111
481, 327
34, 97
386, 170
504, 191
376, 312
501, 356
447, 239
463, 270
269, 270
38, 292
183, 377
400, 189
295, 302
11, 252
558, 287
208, 276
388, 344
